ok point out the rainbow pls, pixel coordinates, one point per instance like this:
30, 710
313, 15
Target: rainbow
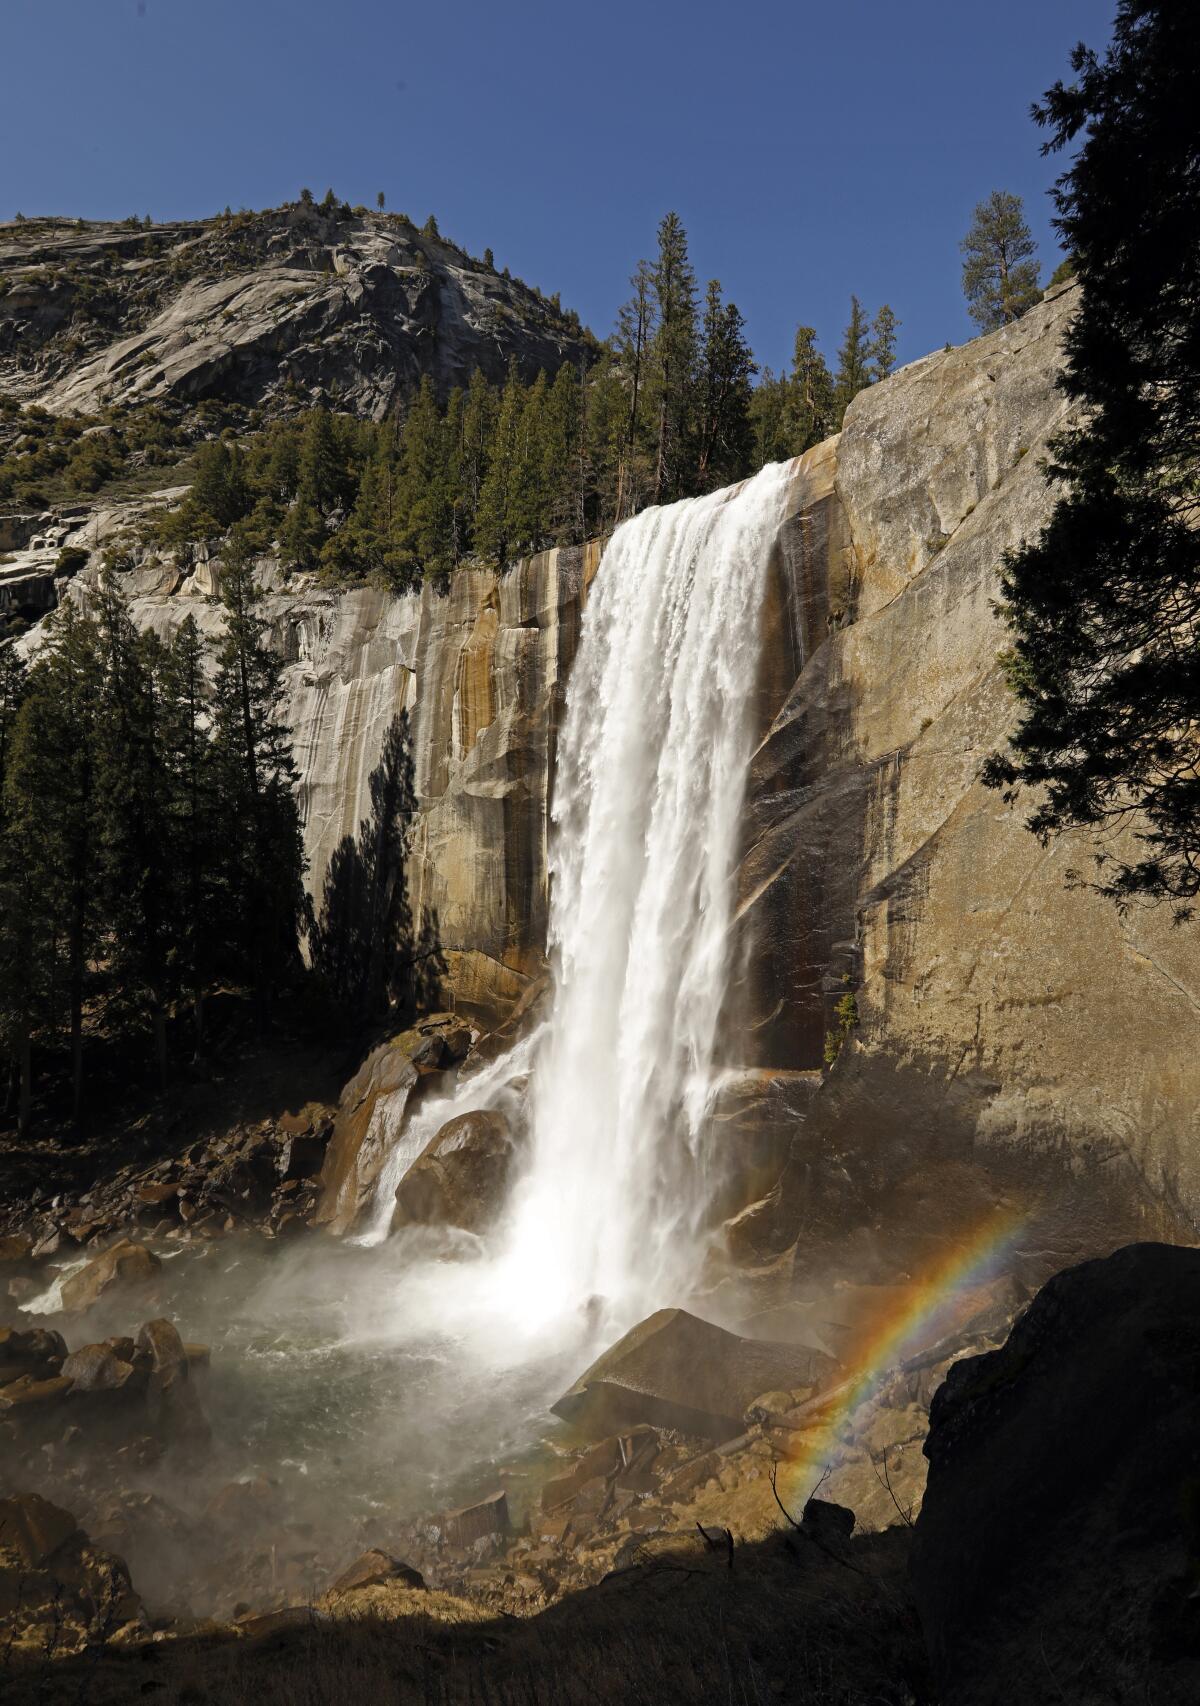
924, 1314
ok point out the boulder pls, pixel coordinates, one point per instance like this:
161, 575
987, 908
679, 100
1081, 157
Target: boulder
372, 1111
486, 1519
28, 1394
16, 1252
97, 1368
1056, 1553
37, 1352
374, 1568
34, 1529
127, 1266
171, 1400
58, 1593
674, 1370
460, 1177
625, 1459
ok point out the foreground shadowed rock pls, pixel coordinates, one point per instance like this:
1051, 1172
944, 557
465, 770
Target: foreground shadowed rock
785, 1622
1057, 1554
58, 1592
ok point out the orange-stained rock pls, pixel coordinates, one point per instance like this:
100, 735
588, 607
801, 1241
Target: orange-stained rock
126, 1265
372, 1111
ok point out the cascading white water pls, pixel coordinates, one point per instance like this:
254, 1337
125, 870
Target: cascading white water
648, 799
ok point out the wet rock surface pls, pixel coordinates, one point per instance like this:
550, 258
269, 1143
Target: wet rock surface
460, 1177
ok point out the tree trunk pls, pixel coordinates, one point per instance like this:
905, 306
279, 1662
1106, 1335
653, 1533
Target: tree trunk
160, 1046
25, 1071
76, 1042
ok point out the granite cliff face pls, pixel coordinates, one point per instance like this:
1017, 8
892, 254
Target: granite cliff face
1013, 1029
292, 306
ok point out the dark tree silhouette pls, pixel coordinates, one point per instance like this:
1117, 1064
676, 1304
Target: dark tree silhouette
1105, 605
364, 948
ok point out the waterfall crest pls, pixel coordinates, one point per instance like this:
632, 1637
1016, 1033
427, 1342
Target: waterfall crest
649, 789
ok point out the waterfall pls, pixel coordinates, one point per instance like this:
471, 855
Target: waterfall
649, 787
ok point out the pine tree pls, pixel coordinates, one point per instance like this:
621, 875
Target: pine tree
1000, 275
883, 344
673, 360
425, 499
1104, 605
369, 543
131, 874
261, 857
478, 423
12, 692
219, 495
854, 363
632, 342
191, 829
323, 479
323, 485
529, 496
607, 414
724, 433
812, 410
15, 880
564, 473
770, 410
494, 536
51, 813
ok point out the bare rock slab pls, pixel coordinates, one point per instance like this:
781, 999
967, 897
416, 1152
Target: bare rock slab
674, 1370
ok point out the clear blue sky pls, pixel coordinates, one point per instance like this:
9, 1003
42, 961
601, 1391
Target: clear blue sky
812, 149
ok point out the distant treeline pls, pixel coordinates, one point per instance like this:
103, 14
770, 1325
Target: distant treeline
667, 410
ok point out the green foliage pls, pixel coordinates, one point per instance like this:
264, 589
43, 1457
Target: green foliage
854, 372
1104, 605
149, 832
1000, 274
70, 560
883, 343
723, 431
51, 458
1063, 272
845, 1015
672, 352
261, 901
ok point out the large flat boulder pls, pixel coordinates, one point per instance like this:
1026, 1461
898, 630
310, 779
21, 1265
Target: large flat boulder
674, 1370
460, 1177
1057, 1549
